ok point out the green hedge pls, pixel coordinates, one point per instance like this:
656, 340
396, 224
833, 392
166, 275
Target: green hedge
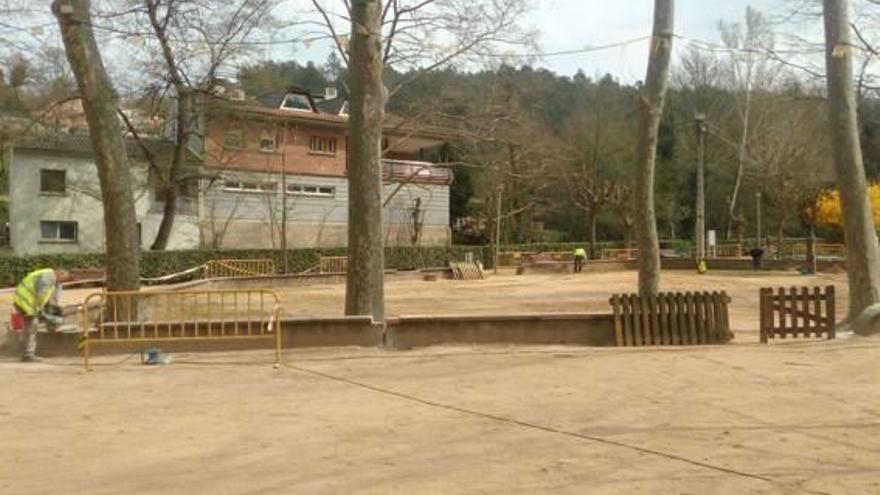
159, 263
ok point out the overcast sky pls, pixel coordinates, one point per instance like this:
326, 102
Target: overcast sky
569, 24
576, 24
562, 24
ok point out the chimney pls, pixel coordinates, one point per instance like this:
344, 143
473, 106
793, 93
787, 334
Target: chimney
330, 93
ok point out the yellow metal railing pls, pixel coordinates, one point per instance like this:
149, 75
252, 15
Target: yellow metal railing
727, 250
334, 264
161, 316
800, 249
239, 268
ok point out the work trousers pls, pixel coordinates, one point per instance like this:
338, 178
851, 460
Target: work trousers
30, 335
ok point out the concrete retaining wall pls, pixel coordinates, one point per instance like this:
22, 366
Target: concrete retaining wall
401, 333
572, 329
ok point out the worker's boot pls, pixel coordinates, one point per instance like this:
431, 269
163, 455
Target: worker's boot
31, 359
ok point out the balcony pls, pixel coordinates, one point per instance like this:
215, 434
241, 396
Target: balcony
409, 171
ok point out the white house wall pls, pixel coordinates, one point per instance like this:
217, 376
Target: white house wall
81, 203
252, 219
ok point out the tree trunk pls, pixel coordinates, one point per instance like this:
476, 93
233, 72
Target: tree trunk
99, 103
812, 262
171, 182
780, 237
863, 258
650, 111
364, 289
592, 218
740, 166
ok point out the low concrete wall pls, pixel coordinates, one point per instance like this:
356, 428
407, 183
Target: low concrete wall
585, 329
406, 332
296, 333
601, 266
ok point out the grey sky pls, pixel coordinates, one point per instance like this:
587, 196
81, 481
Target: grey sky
575, 24
568, 24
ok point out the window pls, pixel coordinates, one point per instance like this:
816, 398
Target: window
267, 144
317, 191
234, 139
51, 231
53, 181
297, 102
322, 144
239, 186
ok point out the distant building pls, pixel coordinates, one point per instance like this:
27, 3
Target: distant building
55, 200
253, 163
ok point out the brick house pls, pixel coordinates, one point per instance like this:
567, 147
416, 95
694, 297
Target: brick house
283, 156
255, 164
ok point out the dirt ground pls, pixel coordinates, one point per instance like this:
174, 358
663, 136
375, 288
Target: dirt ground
795, 417
745, 419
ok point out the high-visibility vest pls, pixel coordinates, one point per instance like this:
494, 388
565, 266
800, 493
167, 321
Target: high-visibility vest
26, 297
580, 252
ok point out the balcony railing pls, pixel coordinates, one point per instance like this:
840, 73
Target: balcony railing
415, 171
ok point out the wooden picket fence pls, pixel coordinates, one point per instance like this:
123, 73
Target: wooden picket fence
690, 318
333, 264
797, 312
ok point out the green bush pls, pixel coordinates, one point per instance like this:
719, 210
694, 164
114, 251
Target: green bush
159, 263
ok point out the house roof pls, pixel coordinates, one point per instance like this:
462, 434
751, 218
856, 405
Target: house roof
332, 106
392, 124
82, 143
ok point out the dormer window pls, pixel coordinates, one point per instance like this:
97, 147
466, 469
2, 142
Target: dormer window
297, 102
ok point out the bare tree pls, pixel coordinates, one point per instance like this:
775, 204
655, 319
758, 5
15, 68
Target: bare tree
99, 103
190, 42
650, 111
863, 254
419, 36
751, 69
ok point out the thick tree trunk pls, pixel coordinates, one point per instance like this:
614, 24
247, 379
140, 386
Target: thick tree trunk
650, 111
863, 258
364, 290
99, 103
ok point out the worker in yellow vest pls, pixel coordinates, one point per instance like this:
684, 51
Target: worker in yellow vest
580, 255
37, 299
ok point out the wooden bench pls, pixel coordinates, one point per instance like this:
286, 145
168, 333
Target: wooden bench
797, 312
690, 318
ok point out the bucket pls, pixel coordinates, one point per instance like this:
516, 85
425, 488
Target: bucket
16, 321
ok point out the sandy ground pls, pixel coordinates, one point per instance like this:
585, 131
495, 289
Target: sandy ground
795, 417
745, 419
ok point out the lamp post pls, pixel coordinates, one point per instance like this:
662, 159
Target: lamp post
700, 234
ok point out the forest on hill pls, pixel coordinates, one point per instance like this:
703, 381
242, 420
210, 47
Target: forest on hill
561, 149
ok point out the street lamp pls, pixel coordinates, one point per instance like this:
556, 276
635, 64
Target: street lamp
700, 129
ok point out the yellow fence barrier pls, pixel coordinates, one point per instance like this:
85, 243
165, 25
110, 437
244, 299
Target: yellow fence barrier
239, 268
163, 316
619, 254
